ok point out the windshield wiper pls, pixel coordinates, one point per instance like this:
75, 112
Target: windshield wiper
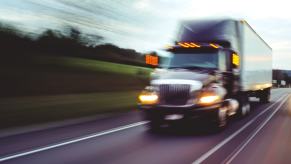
193, 68
175, 67
187, 67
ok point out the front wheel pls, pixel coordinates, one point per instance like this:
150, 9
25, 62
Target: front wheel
221, 118
244, 105
155, 125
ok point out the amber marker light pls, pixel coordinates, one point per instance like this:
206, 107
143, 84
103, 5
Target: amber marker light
152, 60
235, 59
213, 45
183, 45
189, 45
195, 45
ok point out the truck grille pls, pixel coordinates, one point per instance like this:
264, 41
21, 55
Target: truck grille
174, 94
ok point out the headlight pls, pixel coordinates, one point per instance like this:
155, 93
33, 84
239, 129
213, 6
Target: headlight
207, 99
148, 97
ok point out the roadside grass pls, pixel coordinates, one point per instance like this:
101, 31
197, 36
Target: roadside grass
20, 111
96, 65
55, 88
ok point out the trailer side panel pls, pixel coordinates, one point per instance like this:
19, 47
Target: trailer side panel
256, 60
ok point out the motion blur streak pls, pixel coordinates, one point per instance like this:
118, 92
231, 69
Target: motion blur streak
232, 156
73, 141
138, 145
225, 141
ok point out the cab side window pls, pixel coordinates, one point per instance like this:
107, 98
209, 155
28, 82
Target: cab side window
222, 61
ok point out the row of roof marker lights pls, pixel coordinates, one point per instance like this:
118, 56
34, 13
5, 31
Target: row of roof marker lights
195, 45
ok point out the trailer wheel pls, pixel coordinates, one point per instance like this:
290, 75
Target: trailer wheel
265, 96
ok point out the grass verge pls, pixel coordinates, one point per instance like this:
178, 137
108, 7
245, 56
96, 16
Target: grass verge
96, 65
21, 111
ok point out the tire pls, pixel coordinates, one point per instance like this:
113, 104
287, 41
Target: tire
221, 118
244, 105
265, 96
155, 125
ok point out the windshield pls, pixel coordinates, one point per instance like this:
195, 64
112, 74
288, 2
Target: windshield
193, 60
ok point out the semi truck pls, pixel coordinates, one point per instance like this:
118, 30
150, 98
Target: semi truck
212, 69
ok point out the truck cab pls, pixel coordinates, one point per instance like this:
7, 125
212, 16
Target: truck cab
213, 68
197, 80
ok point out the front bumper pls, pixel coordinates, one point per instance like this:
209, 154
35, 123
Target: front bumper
191, 112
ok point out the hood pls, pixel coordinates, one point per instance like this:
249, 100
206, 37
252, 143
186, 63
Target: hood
182, 75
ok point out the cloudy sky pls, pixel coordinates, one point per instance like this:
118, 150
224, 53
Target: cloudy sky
147, 25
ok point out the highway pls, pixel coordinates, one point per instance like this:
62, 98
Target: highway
264, 136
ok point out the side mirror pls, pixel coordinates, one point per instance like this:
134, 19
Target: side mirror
152, 60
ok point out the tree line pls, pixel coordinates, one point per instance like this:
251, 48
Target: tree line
16, 45
281, 75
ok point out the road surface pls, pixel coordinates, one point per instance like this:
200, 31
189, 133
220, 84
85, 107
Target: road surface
262, 137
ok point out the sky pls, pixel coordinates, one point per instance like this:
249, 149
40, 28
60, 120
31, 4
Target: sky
148, 25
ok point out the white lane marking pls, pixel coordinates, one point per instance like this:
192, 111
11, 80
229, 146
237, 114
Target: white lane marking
9, 157
17, 155
225, 141
232, 157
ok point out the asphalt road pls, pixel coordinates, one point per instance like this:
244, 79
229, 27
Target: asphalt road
262, 137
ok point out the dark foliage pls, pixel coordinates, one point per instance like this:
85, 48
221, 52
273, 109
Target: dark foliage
22, 73
71, 43
284, 75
